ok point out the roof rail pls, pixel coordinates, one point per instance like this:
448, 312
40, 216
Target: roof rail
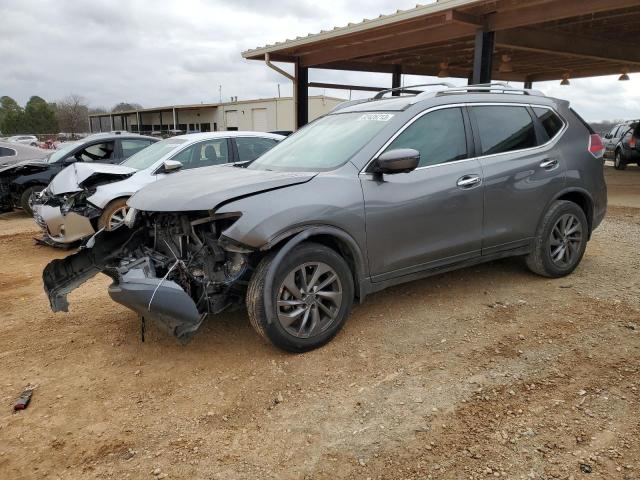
494, 87
408, 88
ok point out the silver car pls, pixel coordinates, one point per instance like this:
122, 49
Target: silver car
87, 197
375, 194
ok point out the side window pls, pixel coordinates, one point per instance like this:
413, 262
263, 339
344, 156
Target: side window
250, 148
551, 122
504, 129
129, 147
439, 136
204, 154
98, 152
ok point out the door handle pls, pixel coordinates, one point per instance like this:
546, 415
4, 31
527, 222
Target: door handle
469, 181
549, 164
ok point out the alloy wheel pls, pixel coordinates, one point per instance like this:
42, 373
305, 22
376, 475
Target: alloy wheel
309, 299
565, 240
117, 217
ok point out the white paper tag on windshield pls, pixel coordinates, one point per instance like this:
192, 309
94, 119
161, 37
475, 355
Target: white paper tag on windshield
376, 117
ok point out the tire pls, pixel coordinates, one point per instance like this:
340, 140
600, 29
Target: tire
321, 319
547, 242
25, 198
118, 208
619, 163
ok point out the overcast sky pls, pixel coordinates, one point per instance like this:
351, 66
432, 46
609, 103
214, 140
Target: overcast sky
163, 53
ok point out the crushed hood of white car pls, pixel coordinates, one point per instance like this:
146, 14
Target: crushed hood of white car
74, 177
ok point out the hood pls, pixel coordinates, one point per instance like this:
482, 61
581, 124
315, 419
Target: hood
206, 188
24, 165
80, 175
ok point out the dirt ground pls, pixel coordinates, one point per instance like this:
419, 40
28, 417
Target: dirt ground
488, 372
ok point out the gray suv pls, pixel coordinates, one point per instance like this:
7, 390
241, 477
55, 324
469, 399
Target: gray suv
377, 193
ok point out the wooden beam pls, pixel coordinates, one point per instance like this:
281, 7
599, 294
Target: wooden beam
568, 44
553, 10
400, 41
464, 18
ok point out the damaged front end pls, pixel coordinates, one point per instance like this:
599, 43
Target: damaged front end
173, 269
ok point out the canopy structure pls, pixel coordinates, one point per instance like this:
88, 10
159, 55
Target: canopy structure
480, 40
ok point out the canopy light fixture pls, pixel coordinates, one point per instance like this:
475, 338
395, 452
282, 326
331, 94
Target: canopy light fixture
506, 66
444, 70
625, 75
565, 80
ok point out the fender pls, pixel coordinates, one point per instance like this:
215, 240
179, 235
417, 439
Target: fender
301, 237
564, 192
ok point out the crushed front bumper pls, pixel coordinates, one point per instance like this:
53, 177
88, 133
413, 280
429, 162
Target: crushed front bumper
162, 301
62, 228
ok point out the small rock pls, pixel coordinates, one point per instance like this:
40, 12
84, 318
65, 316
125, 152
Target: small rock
279, 398
362, 462
631, 326
137, 372
156, 471
582, 393
585, 468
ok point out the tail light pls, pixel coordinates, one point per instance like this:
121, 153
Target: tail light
596, 148
633, 142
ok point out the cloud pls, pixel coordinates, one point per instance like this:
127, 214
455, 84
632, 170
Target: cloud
164, 53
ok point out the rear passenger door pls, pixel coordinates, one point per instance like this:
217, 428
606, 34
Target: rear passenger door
522, 170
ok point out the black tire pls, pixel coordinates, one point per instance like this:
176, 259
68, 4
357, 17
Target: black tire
25, 203
619, 163
268, 325
540, 260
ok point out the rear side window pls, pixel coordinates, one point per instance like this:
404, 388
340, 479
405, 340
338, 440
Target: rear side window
250, 148
504, 129
98, 152
551, 122
439, 136
129, 147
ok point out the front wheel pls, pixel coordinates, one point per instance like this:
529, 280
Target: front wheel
619, 163
26, 199
560, 241
312, 294
113, 214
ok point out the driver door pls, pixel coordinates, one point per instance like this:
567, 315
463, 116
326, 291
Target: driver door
432, 216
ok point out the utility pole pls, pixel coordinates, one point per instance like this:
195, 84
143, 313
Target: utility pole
220, 91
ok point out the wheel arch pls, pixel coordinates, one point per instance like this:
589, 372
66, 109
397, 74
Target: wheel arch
580, 197
327, 235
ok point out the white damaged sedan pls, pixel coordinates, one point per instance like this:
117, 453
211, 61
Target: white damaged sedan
87, 197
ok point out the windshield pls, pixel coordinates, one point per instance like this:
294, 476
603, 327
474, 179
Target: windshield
150, 155
325, 144
61, 153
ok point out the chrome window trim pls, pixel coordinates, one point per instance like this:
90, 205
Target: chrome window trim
468, 105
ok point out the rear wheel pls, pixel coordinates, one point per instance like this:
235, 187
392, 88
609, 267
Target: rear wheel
26, 199
560, 242
113, 215
619, 163
312, 294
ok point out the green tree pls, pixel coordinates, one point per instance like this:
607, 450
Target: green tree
40, 116
126, 107
11, 116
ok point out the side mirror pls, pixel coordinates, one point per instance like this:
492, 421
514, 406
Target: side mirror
169, 166
401, 160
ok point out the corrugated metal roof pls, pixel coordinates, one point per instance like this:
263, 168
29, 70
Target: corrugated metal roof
366, 24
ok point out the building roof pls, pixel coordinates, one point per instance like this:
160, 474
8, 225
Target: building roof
535, 40
197, 106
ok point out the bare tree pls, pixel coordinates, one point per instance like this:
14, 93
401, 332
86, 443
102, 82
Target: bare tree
73, 113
